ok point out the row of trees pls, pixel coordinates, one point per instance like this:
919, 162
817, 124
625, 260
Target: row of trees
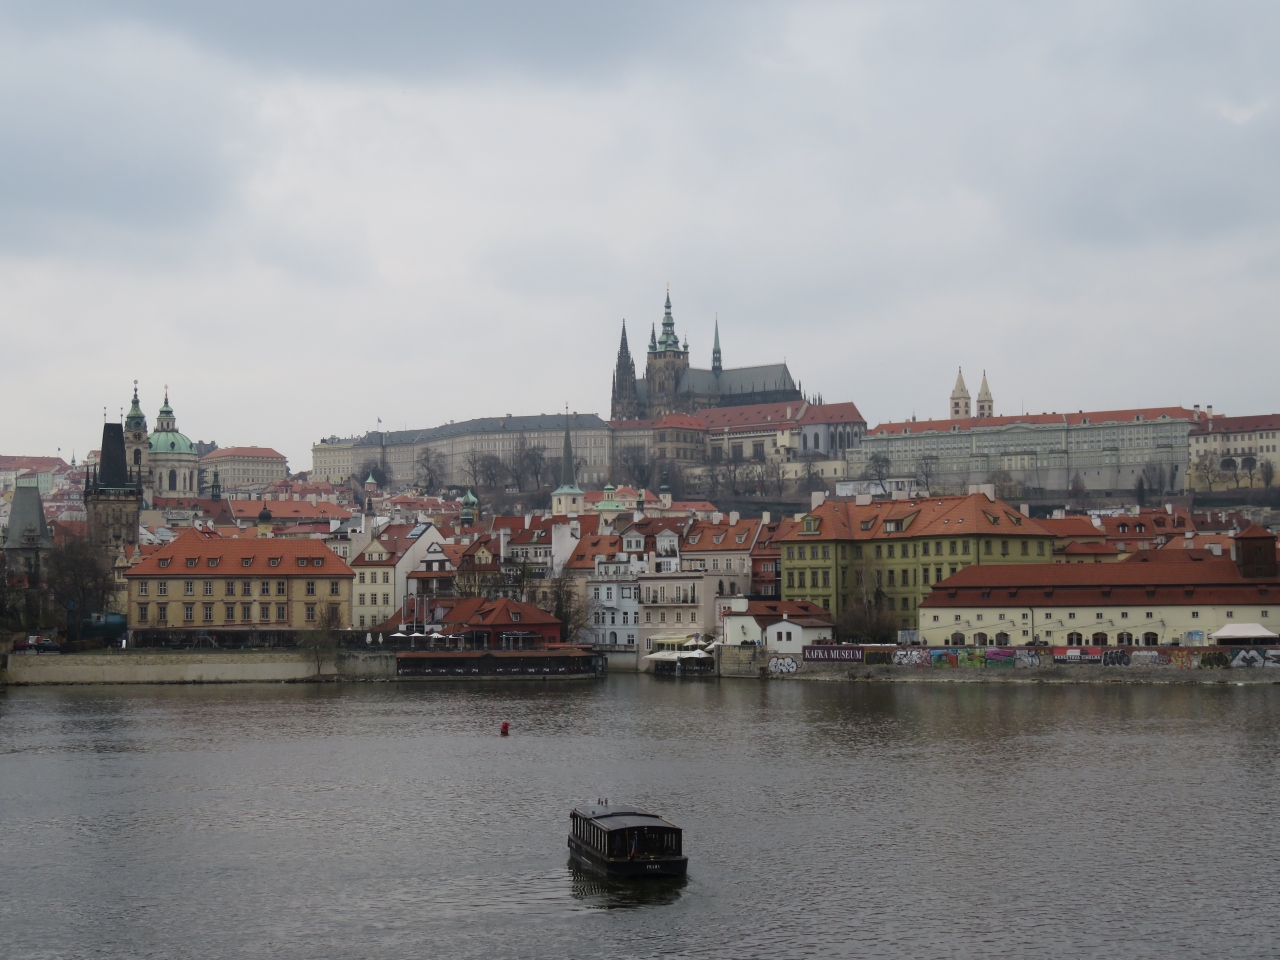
1210, 470
72, 582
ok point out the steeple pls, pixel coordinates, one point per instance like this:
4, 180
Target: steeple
985, 404
567, 498
624, 406
716, 366
136, 419
653, 338
668, 340
960, 409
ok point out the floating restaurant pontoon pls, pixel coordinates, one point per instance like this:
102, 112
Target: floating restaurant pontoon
621, 840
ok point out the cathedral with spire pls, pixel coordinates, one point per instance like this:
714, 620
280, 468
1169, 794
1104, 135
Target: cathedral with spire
960, 406
670, 385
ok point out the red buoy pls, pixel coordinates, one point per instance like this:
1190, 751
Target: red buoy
506, 728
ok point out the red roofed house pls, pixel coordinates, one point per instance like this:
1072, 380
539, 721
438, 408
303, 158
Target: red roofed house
782, 626
227, 587
383, 567
1134, 603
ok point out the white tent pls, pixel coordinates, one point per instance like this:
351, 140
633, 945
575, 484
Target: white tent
1247, 632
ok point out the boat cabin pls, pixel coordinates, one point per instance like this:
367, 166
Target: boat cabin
626, 839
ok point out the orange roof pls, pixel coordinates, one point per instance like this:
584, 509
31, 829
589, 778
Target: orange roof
1089, 549
479, 611
681, 421
765, 414
770, 611
257, 453
1071, 419
34, 464
287, 510
230, 553
393, 540
1101, 584
707, 537
1246, 424
1064, 527
1153, 522
831, 413
699, 506
588, 548
972, 514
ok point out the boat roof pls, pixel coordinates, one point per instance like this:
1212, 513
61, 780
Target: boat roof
619, 816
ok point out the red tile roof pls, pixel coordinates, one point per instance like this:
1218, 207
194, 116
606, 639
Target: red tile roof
831, 413
972, 515
1102, 584
1072, 419
1245, 424
231, 552
1064, 527
707, 537
287, 510
588, 548
226, 453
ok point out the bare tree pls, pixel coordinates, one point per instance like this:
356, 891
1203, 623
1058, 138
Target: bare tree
1207, 470
878, 467
1155, 477
1006, 486
432, 470
1249, 467
632, 465
322, 641
926, 470
1266, 472
80, 581
560, 597
471, 468
373, 467
1076, 488
1231, 470
812, 482
492, 470
869, 618
774, 476
1140, 492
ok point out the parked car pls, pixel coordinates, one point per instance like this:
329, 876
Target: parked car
22, 644
48, 646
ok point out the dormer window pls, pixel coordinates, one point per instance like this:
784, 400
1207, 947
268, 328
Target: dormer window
515, 616
213, 561
246, 561
302, 561
318, 562
192, 561
164, 562
274, 562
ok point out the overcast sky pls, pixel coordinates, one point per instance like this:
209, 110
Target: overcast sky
307, 215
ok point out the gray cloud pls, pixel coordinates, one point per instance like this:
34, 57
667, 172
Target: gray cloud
881, 191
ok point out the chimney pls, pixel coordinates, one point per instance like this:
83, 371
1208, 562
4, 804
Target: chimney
1209, 412
734, 517
1024, 509
504, 535
816, 499
862, 499
717, 517
764, 517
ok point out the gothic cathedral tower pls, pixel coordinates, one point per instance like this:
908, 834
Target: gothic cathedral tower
625, 405
986, 406
137, 443
665, 367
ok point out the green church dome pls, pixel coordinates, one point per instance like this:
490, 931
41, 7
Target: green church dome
170, 441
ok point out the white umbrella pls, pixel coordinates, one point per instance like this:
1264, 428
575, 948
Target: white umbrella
379, 638
396, 634
418, 635
692, 642
368, 638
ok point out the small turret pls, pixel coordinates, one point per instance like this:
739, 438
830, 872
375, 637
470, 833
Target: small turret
716, 366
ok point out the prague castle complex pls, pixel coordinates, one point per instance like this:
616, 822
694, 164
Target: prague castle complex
670, 385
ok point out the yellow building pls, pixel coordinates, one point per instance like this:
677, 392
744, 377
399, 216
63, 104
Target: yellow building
226, 587
889, 553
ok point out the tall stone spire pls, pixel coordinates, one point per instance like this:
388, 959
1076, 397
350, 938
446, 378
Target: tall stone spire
985, 404
653, 338
567, 499
960, 409
716, 366
624, 405
668, 340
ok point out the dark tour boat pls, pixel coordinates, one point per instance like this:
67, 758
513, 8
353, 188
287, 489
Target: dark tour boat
621, 840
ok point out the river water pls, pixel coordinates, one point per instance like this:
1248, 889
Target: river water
822, 819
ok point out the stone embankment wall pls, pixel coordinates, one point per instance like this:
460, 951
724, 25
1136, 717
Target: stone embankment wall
1005, 665
177, 667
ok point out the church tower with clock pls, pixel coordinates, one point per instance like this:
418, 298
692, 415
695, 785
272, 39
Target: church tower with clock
137, 444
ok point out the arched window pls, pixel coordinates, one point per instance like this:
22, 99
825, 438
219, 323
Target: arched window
613, 636
137, 457
817, 443
1124, 638
1002, 639
804, 441
980, 639
957, 639
173, 479
1075, 640
1099, 639
1150, 639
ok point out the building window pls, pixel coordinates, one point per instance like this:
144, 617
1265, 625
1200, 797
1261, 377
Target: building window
282, 612
229, 613
208, 613
361, 577
264, 611
362, 620
1026, 548
162, 612
386, 576
953, 548
142, 612
662, 616
1195, 614
208, 588
800, 580
265, 588
311, 611
188, 588
280, 588
333, 588
311, 588
386, 599
142, 588
188, 612
986, 547
1039, 548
